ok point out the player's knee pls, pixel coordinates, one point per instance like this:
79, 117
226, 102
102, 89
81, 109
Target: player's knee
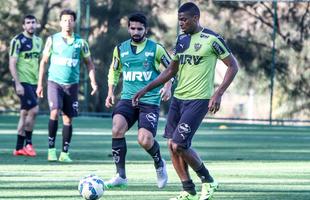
66, 120
54, 114
117, 132
145, 140
176, 148
23, 113
34, 111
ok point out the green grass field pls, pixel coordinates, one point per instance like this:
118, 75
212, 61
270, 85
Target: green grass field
250, 162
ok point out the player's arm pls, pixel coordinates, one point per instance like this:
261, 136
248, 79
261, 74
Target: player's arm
13, 59
42, 66
164, 58
85, 53
223, 53
113, 78
165, 76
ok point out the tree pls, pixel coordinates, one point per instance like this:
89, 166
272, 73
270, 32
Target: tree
248, 29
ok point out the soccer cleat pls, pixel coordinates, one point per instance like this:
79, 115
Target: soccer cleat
162, 176
207, 190
64, 157
51, 155
20, 152
185, 196
116, 181
30, 150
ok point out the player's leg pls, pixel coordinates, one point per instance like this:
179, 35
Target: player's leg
30, 91
55, 96
66, 138
193, 113
29, 125
19, 149
70, 109
148, 121
27, 102
179, 165
124, 116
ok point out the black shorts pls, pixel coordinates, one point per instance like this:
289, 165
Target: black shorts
146, 114
63, 97
184, 118
29, 99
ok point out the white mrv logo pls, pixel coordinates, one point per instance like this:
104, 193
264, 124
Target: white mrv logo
139, 76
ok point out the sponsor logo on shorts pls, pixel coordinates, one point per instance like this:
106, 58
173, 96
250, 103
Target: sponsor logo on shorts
75, 105
51, 104
151, 117
184, 128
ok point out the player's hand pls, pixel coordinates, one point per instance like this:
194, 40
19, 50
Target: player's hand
94, 86
39, 91
138, 95
215, 103
19, 89
165, 93
109, 101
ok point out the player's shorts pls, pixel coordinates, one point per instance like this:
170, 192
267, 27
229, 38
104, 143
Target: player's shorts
183, 120
63, 97
146, 114
29, 99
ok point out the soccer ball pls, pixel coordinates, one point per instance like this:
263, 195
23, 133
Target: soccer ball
91, 187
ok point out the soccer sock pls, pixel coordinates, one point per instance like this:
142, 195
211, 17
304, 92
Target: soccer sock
189, 187
28, 137
66, 137
20, 142
119, 150
52, 131
154, 151
204, 174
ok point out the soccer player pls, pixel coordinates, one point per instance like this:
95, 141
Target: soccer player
64, 51
25, 50
138, 59
196, 53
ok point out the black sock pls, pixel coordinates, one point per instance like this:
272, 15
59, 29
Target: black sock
52, 131
189, 187
119, 150
20, 142
154, 151
66, 137
28, 137
204, 174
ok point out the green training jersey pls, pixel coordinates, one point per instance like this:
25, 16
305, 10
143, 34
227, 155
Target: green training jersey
139, 65
197, 55
65, 58
27, 51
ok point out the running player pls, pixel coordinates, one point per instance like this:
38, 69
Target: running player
196, 53
138, 59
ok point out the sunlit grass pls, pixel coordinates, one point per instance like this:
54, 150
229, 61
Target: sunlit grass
272, 163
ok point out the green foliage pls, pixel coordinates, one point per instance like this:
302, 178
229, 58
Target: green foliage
248, 29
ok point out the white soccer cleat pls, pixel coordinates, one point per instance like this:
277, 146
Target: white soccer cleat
162, 176
116, 181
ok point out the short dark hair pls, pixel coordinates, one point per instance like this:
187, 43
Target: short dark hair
138, 17
28, 17
191, 8
68, 12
